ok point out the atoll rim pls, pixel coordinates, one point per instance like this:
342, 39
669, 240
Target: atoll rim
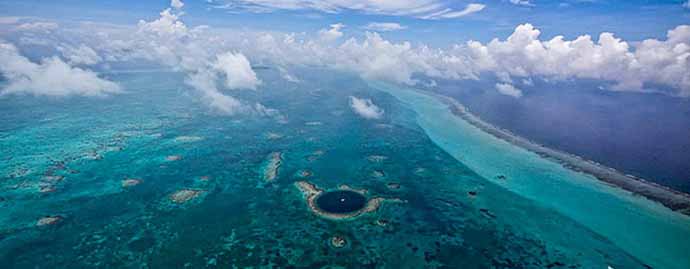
344, 203
341, 201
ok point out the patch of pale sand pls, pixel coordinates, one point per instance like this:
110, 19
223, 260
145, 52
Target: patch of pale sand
130, 182
172, 158
44, 187
185, 195
53, 178
338, 241
48, 220
393, 186
304, 173
273, 136
315, 155
378, 174
381, 222
345, 187
93, 155
187, 139
377, 158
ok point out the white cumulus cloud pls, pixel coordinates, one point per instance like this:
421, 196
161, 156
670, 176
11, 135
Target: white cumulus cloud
365, 108
205, 82
237, 71
167, 25
80, 55
377, 58
610, 59
332, 33
169, 41
51, 76
508, 89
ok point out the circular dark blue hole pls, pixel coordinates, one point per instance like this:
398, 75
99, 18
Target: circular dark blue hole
341, 202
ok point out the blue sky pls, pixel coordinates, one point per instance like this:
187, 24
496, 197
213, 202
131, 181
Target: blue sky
631, 20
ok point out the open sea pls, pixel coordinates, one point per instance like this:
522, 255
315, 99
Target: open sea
643, 134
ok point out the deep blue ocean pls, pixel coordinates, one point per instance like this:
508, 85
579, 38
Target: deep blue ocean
646, 135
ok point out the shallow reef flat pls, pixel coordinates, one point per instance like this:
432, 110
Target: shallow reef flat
188, 139
272, 166
210, 206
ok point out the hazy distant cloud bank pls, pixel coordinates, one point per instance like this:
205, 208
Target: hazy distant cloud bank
522, 55
217, 61
521, 3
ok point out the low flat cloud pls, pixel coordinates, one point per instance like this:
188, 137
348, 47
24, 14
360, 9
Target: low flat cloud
365, 108
37, 26
526, 3
384, 26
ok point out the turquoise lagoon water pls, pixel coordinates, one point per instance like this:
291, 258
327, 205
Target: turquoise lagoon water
67, 157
